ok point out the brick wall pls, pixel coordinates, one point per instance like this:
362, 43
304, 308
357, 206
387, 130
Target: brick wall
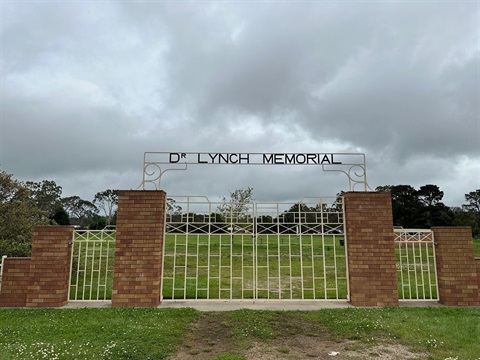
15, 280
456, 269
50, 266
370, 249
138, 249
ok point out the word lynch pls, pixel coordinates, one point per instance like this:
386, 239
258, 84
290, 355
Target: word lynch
254, 158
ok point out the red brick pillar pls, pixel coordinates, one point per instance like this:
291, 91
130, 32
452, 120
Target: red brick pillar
138, 249
456, 268
371, 249
50, 266
16, 273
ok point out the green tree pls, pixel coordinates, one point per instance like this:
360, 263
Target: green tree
472, 210
80, 211
236, 208
107, 201
46, 195
473, 199
434, 211
98, 223
18, 217
406, 205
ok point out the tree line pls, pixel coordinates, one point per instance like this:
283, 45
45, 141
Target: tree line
24, 205
423, 208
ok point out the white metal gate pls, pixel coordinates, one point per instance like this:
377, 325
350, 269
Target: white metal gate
416, 264
91, 274
214, 250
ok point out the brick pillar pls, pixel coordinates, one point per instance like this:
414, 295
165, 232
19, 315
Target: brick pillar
15, 281
50, 266
456, 268
371, 249
138, 249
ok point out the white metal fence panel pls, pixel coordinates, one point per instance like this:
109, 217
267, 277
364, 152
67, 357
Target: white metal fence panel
416, 264
214, 250
92, 265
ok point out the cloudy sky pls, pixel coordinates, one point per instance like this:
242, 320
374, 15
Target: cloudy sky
88, 86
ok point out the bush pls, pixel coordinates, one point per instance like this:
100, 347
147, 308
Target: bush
15, 248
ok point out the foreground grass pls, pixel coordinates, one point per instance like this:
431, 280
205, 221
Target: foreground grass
92, 333
440, 333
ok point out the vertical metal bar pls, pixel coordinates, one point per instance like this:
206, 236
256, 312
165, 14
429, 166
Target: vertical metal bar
99, 268
289, 237
407, 250
85, 268
78, 269
402, 282
421, 266
163, 253
255, 270
279, 260
415, 267
70, 272
435, 265
300, 239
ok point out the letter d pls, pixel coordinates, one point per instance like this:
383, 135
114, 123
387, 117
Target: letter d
172, 158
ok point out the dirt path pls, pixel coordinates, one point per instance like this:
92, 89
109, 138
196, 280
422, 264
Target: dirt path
212, 335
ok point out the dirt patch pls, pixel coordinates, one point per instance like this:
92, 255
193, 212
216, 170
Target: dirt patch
209, 337
301, 347
212, 336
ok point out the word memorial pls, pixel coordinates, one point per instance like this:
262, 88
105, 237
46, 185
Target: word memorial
155, 164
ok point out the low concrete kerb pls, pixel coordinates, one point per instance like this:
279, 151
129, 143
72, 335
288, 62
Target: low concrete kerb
231, 305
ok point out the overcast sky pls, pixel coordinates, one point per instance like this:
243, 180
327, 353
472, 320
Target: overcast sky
88, 86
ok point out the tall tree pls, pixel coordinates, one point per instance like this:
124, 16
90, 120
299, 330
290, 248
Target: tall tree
472, 209
107, 201
18, 216
46, 195
430, 195
80, 211
434, 211
406, 206
236, 207
473, 199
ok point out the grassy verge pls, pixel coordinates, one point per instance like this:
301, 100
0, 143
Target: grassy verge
92, 333
437, 333
433, 333
476, 247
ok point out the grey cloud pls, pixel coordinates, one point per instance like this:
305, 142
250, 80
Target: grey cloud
88, 87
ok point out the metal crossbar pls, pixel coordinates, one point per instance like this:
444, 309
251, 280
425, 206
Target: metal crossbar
416, 264
283, 251
92, 264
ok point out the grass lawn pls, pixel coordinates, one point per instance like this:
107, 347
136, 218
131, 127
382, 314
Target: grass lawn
476, 247
427, 333
268, 267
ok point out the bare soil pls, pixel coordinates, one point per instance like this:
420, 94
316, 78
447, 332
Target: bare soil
212, 336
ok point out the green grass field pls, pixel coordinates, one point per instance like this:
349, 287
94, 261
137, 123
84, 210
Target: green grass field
270, 267
416, 273
92, 265
138, 334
